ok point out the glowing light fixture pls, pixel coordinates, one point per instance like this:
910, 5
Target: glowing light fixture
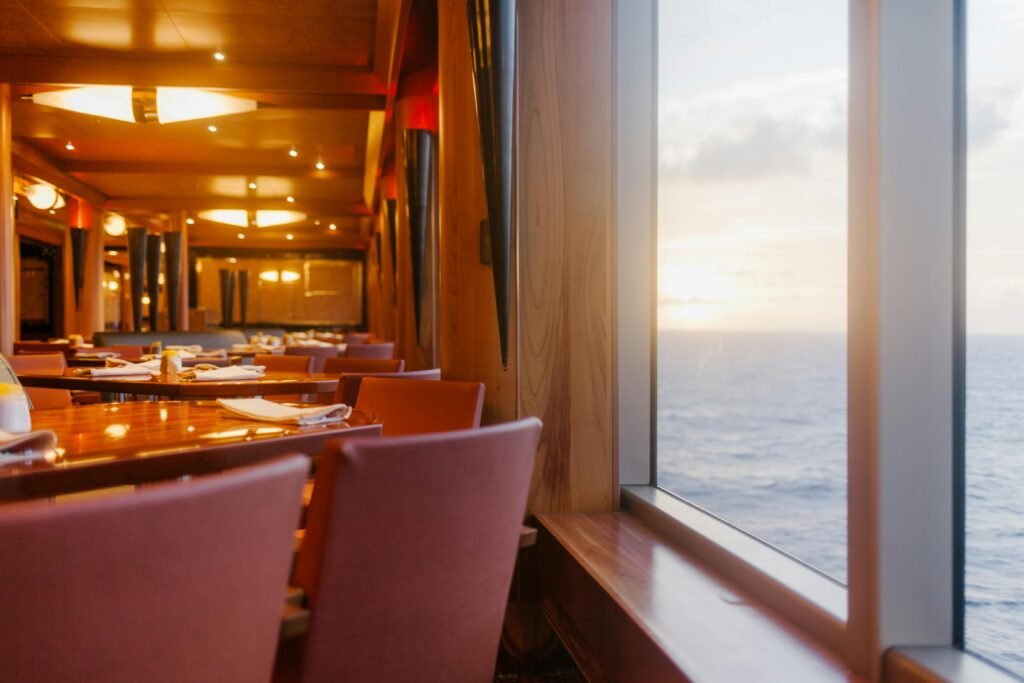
114, 224
290, 199
240, 218
112, 285
145, 105
43, 196
190, 221
145, 300
320, 166
241, 236
252, 184
70, 146
219, 56
112, 252
332, 226
212, 128
279, 276
289, 237
293, 152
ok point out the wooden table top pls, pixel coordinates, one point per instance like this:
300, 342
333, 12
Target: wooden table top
270, 384
114, 444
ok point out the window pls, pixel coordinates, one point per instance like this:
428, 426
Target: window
994, 583
752, 164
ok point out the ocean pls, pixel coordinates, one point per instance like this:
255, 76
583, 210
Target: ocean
752, 427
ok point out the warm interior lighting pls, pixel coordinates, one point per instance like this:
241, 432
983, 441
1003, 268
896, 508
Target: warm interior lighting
279, 276
289, 237
264, 218
112, 285
112, 252
190, 221
171, 104
241, 236
219, 56
212, 128
70, 146
320, 166
290, 199
43, 196
293, 152
332, 226
160, 279
145, 300
114, 224
252, 184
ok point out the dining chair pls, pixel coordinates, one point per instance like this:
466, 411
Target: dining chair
409, 553
382, 350
36, 347
181, 581
124, 351
349, 382
416, 406
277, 363
318, 353
340, 364
356, 337
43, 364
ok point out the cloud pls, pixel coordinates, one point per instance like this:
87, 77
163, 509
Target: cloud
989, 112
765, 147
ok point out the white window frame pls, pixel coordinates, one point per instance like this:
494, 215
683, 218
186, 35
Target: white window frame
905, 344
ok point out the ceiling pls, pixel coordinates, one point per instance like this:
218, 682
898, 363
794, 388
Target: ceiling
323, 72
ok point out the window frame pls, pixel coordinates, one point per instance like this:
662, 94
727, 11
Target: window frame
907, 146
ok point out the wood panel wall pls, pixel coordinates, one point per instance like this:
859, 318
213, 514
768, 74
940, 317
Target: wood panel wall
566, 249
468, 321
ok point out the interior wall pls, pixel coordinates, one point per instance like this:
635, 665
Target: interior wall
566, 249
469, 347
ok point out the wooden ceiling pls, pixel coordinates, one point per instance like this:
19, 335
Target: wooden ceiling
324, 72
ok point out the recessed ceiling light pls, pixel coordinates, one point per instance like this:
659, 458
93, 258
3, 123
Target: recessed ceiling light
316, 222
53, 212
319, 165
70, 146
252, 184
241, 236
212, 128
332, 226
219, 56
290, 199
190, 221
293, 152
289, 236
112, 252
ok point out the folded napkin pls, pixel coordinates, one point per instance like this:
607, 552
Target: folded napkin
312, 342
268, 411
230, 373
191, 348
125, 370
39, 442
212, 353
97, 354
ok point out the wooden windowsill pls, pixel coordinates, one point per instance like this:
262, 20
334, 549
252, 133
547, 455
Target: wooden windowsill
630, 605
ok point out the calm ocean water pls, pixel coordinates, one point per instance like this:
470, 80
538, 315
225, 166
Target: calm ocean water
752, 427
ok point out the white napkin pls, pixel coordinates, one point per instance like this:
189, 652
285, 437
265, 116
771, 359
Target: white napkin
191, 348
268, 411
312, 342
97, 354
230, 373
36, 442
126, 370
213, 353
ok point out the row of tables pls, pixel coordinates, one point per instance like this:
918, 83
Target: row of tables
117, 444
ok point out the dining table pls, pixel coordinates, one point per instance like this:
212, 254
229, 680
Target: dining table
107, 445
173, 386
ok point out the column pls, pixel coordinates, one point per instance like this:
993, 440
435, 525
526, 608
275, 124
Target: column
8, 239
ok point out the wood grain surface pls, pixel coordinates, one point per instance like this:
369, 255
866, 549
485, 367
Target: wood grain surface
106, 445
270, 384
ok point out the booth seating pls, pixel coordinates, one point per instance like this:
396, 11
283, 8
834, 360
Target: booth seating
217, 339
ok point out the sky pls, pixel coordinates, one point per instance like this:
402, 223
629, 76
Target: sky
752, 165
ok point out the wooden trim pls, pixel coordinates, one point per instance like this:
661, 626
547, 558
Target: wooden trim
83, 70
321, 207
209, 169
8, 238
30, 161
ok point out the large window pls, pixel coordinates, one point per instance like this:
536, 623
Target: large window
994, 590
751, 421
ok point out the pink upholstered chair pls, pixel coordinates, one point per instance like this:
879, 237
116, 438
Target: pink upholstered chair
392, 525
177, 582
421, 406
43, 364
356, 337
348, 385
383, 350
336, 366
36, 347
318, 353
124, 351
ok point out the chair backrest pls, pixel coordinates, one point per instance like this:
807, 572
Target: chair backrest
421, 406
336, 366
43, 364
382, 350
177, 582
216, 339
318, 353
34, 347
356, 337
392, 526
125, 351
349, 383
275, 363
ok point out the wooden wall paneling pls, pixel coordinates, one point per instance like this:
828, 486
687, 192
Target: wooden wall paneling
566, 249
8, 239
469, 348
